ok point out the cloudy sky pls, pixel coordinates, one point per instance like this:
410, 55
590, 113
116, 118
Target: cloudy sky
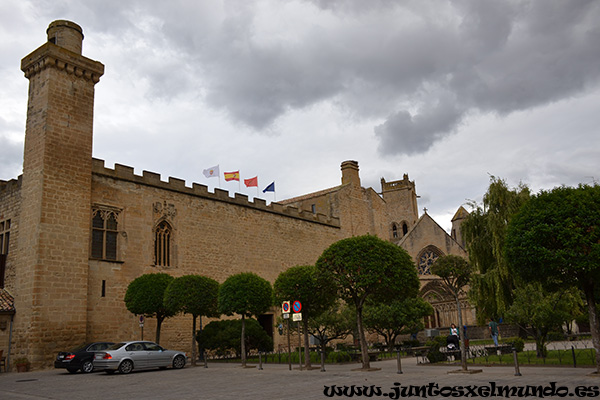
449, 92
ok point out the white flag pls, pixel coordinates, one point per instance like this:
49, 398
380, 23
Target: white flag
212, 172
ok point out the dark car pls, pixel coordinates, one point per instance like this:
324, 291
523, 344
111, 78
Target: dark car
81, 357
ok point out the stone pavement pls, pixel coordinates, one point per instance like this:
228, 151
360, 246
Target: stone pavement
275, 381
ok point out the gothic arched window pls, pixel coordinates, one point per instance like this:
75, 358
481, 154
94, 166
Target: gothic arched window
394, 231
426, 258
162, 244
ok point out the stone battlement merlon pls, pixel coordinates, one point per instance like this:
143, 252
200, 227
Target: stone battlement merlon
152, 179
11, 185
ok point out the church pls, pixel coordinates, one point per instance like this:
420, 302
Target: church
74, 233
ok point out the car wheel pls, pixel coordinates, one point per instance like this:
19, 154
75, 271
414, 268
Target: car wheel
179, 362
126, 367
72, 370
87, 367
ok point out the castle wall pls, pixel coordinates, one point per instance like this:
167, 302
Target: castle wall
214, 235
10, 209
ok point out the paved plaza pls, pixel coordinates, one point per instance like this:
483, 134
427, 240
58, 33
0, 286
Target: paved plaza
276, 381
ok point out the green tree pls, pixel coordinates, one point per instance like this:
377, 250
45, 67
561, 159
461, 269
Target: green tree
245, 294
394, 318
337, 322
555, 240
145, 296
196, 295
302, 283
538, 311
366, 267
455, 273
484, 231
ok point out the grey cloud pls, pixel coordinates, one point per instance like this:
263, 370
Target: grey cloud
373, 59
407, 133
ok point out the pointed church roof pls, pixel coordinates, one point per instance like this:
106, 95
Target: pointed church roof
461, 213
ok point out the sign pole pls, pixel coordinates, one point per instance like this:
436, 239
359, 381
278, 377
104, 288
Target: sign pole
289, 346
142, 325
299, 347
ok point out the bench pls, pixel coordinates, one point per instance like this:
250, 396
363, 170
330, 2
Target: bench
357, 356
420, 352
452, 355
502, 349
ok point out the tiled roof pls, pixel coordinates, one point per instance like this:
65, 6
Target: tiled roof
7, 302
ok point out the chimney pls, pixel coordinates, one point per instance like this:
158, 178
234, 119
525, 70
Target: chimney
66, 34
350, 173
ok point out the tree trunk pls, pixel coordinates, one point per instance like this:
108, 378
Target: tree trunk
461, 336
306, 344
194, 355
243, 341
159, 321
364, 350
594, 323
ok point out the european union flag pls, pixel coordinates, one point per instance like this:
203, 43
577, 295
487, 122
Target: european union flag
270, 188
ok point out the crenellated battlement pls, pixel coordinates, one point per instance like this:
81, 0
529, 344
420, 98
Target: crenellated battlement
405, 183
126, 173
11, 185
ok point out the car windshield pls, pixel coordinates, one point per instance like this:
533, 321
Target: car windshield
80, 347
116, 346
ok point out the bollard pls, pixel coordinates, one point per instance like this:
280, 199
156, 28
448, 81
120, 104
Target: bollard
260, 360
574, 358
399, 364
205, 359
517, 372
322, 360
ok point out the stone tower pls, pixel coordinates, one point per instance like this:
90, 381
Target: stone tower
401, 204
52, 274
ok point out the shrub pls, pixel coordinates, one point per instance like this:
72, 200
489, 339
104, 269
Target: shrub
518, 344
435, 355
224, 336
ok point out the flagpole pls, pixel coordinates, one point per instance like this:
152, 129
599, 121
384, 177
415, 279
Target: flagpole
239, 181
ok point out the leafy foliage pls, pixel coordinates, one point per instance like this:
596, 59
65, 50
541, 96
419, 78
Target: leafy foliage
336, 322
455, 273
555, 240
224, 336
245, 294
196, 295
395, 318
539, 311
145, 296
484, 231
366, 267
316, 295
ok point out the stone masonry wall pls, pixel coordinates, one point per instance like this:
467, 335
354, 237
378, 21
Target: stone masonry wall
214, 235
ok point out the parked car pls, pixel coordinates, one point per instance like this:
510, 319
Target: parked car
81, 357
127, 356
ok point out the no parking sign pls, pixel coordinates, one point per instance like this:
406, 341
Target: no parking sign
297, 306
285, 307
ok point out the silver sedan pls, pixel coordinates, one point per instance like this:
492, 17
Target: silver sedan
127, 356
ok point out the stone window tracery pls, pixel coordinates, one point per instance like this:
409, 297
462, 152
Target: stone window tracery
426, 259
105, 223
162, 244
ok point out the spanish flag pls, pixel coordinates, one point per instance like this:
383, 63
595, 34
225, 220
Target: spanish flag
232, 176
